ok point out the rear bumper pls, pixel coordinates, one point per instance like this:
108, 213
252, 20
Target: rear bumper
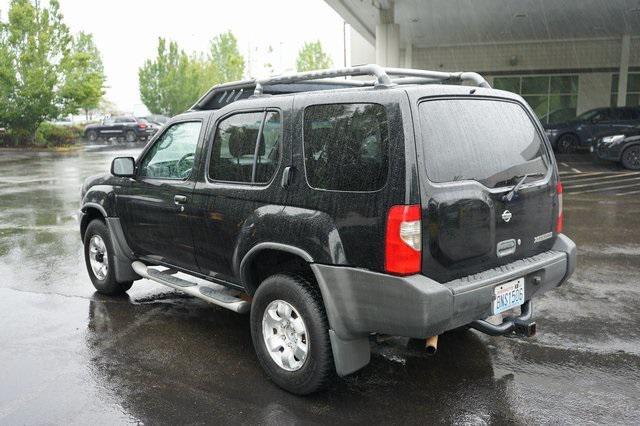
359, 302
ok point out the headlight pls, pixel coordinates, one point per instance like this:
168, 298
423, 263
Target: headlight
613, 140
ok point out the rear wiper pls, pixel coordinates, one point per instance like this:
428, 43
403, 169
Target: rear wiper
509, 195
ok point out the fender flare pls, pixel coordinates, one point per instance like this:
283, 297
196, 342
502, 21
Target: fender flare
246, 260
95, 206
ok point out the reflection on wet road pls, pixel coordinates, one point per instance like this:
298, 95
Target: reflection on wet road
69, 355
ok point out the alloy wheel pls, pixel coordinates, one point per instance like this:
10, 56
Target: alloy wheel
98, 257
285, 335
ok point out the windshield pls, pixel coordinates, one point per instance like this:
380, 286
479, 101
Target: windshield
492, 142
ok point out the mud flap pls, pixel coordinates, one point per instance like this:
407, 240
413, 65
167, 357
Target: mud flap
349, 356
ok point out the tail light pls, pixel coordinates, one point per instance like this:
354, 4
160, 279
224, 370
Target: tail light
142, 126
403, 242
560, 218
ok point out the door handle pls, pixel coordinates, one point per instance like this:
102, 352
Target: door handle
286, 177
179, 199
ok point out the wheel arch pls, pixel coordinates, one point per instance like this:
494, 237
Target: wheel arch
90, 212
266, 258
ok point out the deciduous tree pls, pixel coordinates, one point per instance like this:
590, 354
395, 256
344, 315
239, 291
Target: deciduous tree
83, 75
312, 57
33, 43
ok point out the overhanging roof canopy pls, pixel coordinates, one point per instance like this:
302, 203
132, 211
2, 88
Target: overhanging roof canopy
427, 23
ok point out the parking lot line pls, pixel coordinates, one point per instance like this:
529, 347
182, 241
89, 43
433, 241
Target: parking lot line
596, 179
572, 174
629, 192
605, 189
578, 179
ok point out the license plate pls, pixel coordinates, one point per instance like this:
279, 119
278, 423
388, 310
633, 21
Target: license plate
508, 296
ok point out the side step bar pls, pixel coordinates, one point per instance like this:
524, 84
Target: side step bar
209, 294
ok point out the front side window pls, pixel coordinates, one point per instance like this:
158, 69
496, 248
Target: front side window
234, 157
172, 156
346, 146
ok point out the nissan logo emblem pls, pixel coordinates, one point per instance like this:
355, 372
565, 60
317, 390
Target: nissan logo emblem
506, 215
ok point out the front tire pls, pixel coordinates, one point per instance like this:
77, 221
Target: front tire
289, 329
98, 256
92, 135
631, 158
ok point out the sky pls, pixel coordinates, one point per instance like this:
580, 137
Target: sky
126, 33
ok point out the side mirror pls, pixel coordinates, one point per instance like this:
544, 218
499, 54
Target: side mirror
123, 166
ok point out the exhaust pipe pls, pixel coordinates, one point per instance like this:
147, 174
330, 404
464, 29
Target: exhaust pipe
431, 345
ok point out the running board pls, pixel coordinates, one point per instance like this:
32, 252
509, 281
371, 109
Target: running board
204, 292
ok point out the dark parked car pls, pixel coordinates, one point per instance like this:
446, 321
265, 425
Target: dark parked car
584, 129
128, 128
331, 211
622, 148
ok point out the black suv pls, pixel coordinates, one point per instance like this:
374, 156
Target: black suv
588, 126
333, 210
623, 148
128, 128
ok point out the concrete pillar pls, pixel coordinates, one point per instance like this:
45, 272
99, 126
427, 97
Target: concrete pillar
387, 38
623, 74
408, 56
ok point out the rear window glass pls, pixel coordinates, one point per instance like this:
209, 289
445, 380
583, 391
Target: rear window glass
346, 146
492, 142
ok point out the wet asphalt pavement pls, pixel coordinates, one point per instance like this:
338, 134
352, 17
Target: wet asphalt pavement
69, 355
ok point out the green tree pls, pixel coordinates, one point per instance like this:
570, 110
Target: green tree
173, 81
33, 42
225, 58
311, 57
83, 74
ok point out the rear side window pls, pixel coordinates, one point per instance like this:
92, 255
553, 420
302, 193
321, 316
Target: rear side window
234, 157
492, 142
346, 146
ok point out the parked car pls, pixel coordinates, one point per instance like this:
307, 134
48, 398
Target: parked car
128, 128
622, 148
331, 211
581, 132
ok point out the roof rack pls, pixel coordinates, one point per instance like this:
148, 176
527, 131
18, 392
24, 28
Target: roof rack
319, 80
381, 74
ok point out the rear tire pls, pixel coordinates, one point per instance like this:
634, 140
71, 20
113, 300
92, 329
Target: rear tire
131, 136
99, 258
567, 144
631, 158
300, 359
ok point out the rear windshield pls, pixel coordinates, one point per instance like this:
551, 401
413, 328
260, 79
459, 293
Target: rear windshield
492, 142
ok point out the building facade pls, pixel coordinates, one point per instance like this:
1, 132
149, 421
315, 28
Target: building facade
564, 57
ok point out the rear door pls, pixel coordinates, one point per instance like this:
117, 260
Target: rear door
239, 184
472, 151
